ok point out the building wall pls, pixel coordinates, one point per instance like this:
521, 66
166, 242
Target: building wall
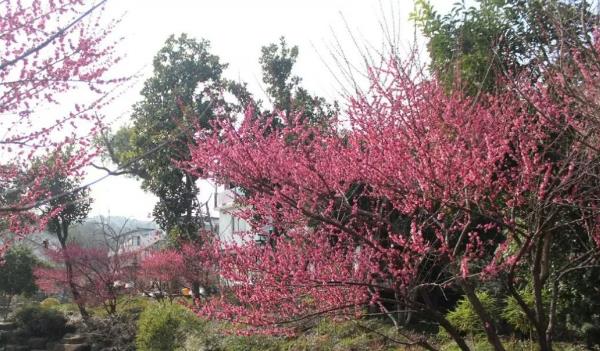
230, 225
142, 240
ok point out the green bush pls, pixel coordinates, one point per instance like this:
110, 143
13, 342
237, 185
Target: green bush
40, 321
50, 302
251, 343
165, 327
135, 305
68, 309
125, 304
465, 319
514, 315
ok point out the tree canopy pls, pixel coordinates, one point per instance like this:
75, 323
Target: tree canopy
472, 47
184, 92
16, 272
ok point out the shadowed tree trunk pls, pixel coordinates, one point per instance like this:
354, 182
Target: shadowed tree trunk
62, 234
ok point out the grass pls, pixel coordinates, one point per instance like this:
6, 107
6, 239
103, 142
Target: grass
327, 335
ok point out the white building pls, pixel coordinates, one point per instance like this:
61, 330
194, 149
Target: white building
229, 224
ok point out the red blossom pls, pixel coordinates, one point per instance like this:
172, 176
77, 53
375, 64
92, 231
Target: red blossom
416, 189
49, 49
98, 274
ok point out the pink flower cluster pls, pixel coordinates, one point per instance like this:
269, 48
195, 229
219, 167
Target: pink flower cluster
416, 188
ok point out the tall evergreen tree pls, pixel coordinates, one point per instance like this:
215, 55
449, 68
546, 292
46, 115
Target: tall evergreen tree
284, 88
185, 91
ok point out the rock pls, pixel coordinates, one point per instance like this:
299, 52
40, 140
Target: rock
7, 325
37, 343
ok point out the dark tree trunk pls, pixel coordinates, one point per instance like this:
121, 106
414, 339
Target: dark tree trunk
435, 315
63, 234
537, 271
488, 323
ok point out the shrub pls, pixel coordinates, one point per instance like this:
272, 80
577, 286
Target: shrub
125, 304
464, 317
68, 309
514, 315
40, 321
133, 305
112, 332
50, 302
516, 318
164, 327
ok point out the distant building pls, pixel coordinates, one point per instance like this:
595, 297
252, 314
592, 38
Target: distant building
229, 224
143, 240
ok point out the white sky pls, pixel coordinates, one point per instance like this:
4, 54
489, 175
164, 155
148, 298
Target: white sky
237, 29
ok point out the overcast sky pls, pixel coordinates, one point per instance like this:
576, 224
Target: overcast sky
237, 29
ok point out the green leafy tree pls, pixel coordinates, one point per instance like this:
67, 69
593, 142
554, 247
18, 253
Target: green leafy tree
472, 47
186, 90
16, 274
288, 96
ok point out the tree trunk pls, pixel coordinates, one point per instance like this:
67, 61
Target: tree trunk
536, 273
195, 290
74, 291
552, 314
488, 323
444, 323
63, 234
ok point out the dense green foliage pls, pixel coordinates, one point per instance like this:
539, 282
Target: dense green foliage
472, 47
16, 272
331, 335
68, 202
41, 321
182, 93
16, 276
164, 327
285, 90
580, 305
464, 317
